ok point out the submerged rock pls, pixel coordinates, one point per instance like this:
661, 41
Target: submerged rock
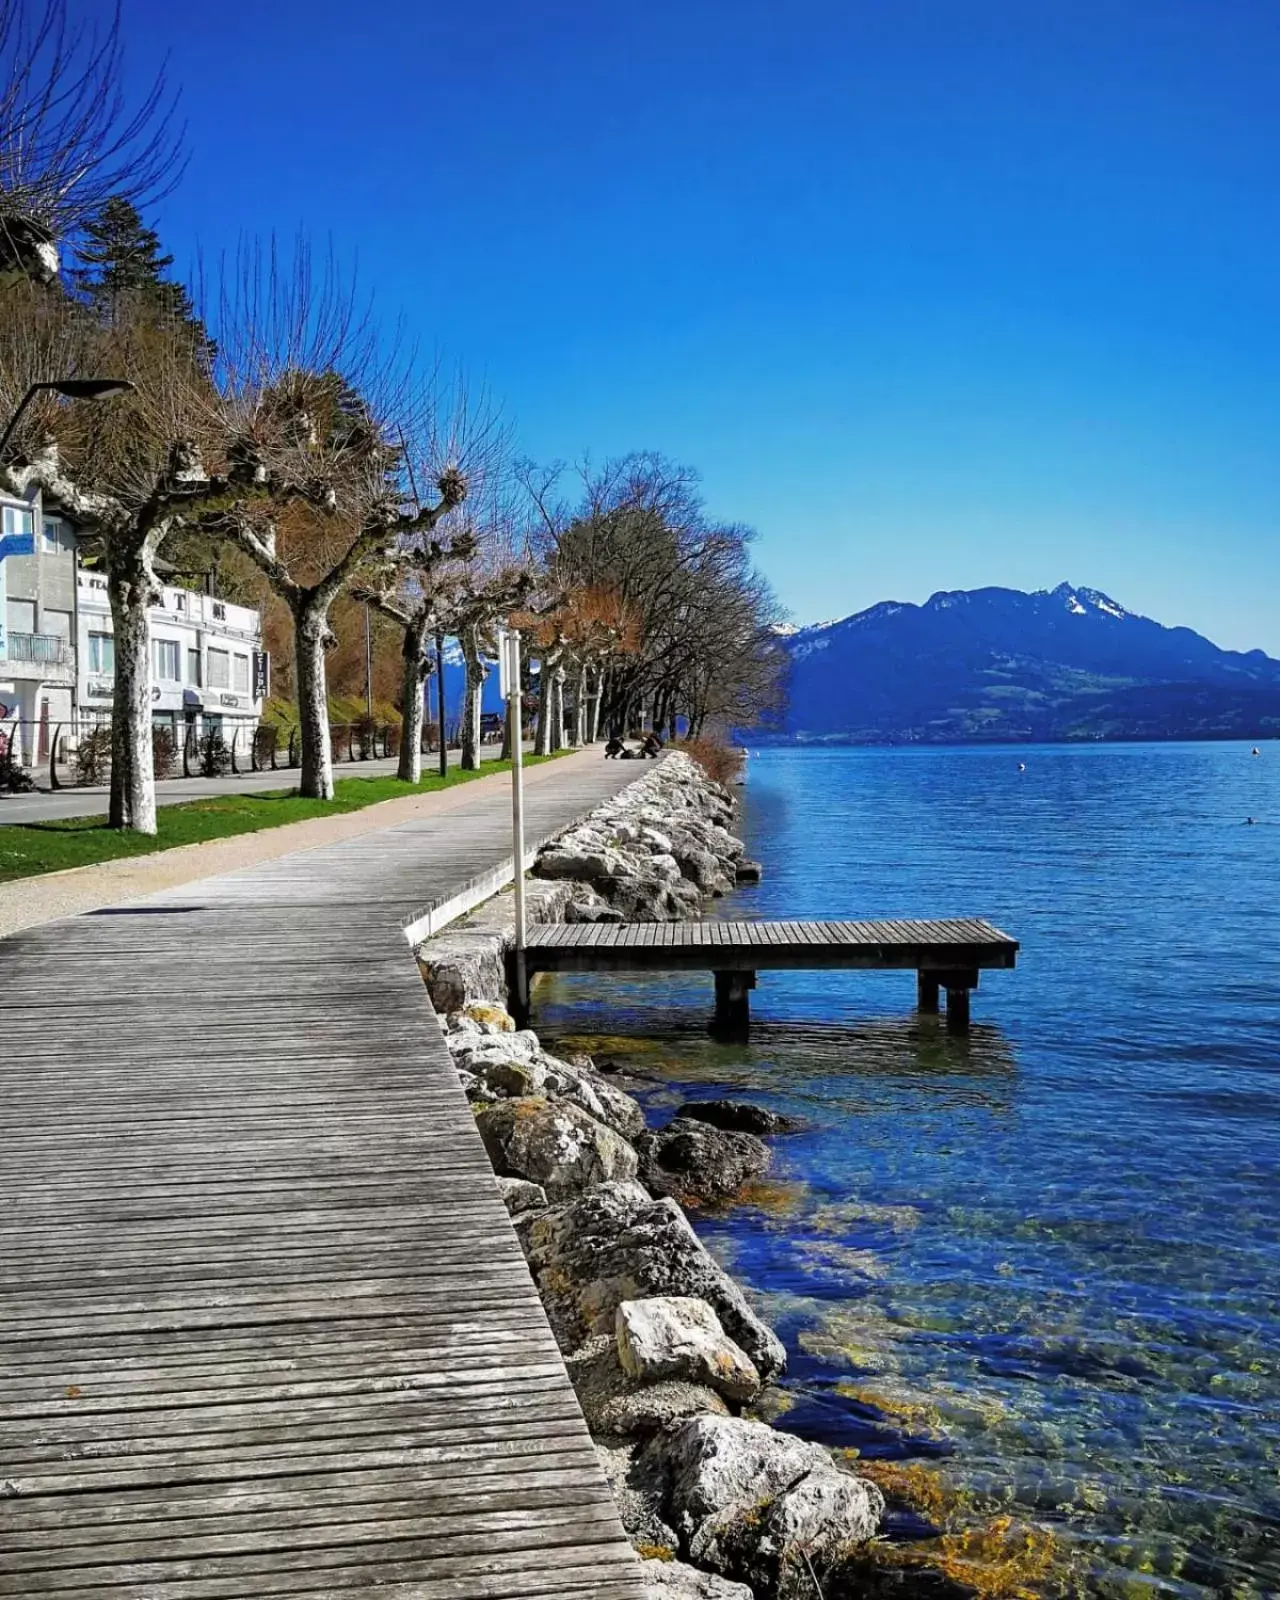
695, 1161
737, 1116
555, 1145
677, 1336
615, 1243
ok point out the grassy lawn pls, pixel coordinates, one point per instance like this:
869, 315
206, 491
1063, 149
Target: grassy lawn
30, 848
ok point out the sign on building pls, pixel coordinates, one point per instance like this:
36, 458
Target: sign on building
261, 674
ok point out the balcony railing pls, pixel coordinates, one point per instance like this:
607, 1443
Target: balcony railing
44, 649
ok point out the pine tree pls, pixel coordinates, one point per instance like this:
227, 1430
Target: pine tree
120, 256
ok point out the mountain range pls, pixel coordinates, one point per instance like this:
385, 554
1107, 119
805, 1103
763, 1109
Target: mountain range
1002, 665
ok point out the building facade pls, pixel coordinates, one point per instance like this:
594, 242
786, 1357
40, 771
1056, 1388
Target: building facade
57, 655
208, 670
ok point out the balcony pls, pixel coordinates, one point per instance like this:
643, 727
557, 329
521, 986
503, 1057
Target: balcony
46, 650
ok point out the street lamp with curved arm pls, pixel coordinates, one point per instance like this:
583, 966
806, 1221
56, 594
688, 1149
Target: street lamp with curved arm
71, 389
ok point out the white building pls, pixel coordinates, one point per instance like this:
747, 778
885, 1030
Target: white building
57, 657
208, 670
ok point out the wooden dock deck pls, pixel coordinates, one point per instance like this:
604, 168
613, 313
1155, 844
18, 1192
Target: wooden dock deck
265, 1328
945, 955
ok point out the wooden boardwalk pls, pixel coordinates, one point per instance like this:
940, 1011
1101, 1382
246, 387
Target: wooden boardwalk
945, 955
264, 1326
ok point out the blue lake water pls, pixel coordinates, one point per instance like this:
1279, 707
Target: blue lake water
1045, 1260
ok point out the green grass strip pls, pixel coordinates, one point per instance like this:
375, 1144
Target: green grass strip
30, 848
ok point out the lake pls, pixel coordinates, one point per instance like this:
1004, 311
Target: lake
1041, 1264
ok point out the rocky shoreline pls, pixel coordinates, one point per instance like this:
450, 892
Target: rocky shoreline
662, 1346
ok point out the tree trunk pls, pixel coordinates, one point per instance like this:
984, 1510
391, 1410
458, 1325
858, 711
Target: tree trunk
593, 706
476, 674
310, 637
133, 789
546, 692
413, 677
557, 709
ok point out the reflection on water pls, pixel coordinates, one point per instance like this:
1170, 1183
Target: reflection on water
1035, 1272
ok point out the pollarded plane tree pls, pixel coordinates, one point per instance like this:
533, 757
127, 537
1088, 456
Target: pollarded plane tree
318, 461
494, 596
71, 138
420, 588
128, 473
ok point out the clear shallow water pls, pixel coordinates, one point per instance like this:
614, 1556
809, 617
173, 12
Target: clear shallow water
1045, 1260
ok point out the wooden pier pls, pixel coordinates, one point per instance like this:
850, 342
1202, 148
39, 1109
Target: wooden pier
946, 956
265, 1328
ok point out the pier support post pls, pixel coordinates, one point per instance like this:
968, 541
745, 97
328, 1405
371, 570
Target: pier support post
927, 993
959, 985
518, 987
957, 1010
733, 1005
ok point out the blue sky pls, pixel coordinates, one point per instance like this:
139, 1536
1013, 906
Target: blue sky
935, 293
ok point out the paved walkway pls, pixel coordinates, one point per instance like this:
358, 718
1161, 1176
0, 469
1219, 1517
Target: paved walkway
264, 1326
44, 805
26, 902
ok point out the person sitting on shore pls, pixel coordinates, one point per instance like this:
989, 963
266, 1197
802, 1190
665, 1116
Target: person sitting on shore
652, 745
614, 748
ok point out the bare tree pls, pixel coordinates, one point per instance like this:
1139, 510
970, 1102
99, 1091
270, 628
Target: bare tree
322, 405
69, 137
128, 472
418, 588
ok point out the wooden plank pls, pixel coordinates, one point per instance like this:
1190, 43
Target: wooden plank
264, 1325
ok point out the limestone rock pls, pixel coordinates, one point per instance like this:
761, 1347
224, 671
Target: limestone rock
676, 1336
673, 1580
615, 1243
736, 1116
724, 1464
637, 1486
760, 1506
557, 1146
491, 1014
615, 1404
460, 968
694, 1161
519, 1195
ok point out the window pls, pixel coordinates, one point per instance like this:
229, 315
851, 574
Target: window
165, 652
102, 654
53, 536
18, 520
219, 669
240, 674
193, 667
21, 616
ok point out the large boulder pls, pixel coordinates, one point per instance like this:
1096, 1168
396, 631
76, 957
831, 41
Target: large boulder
677, 1336
615, 1404
696, 1162
616, 1243
673, 1580
555, 1145
759, 1506
460, 968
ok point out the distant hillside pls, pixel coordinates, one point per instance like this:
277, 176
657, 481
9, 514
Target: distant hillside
997, 664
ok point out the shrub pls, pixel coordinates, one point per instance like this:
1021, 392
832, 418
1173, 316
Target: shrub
215, 757
164, 752
721, 762
93, 756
